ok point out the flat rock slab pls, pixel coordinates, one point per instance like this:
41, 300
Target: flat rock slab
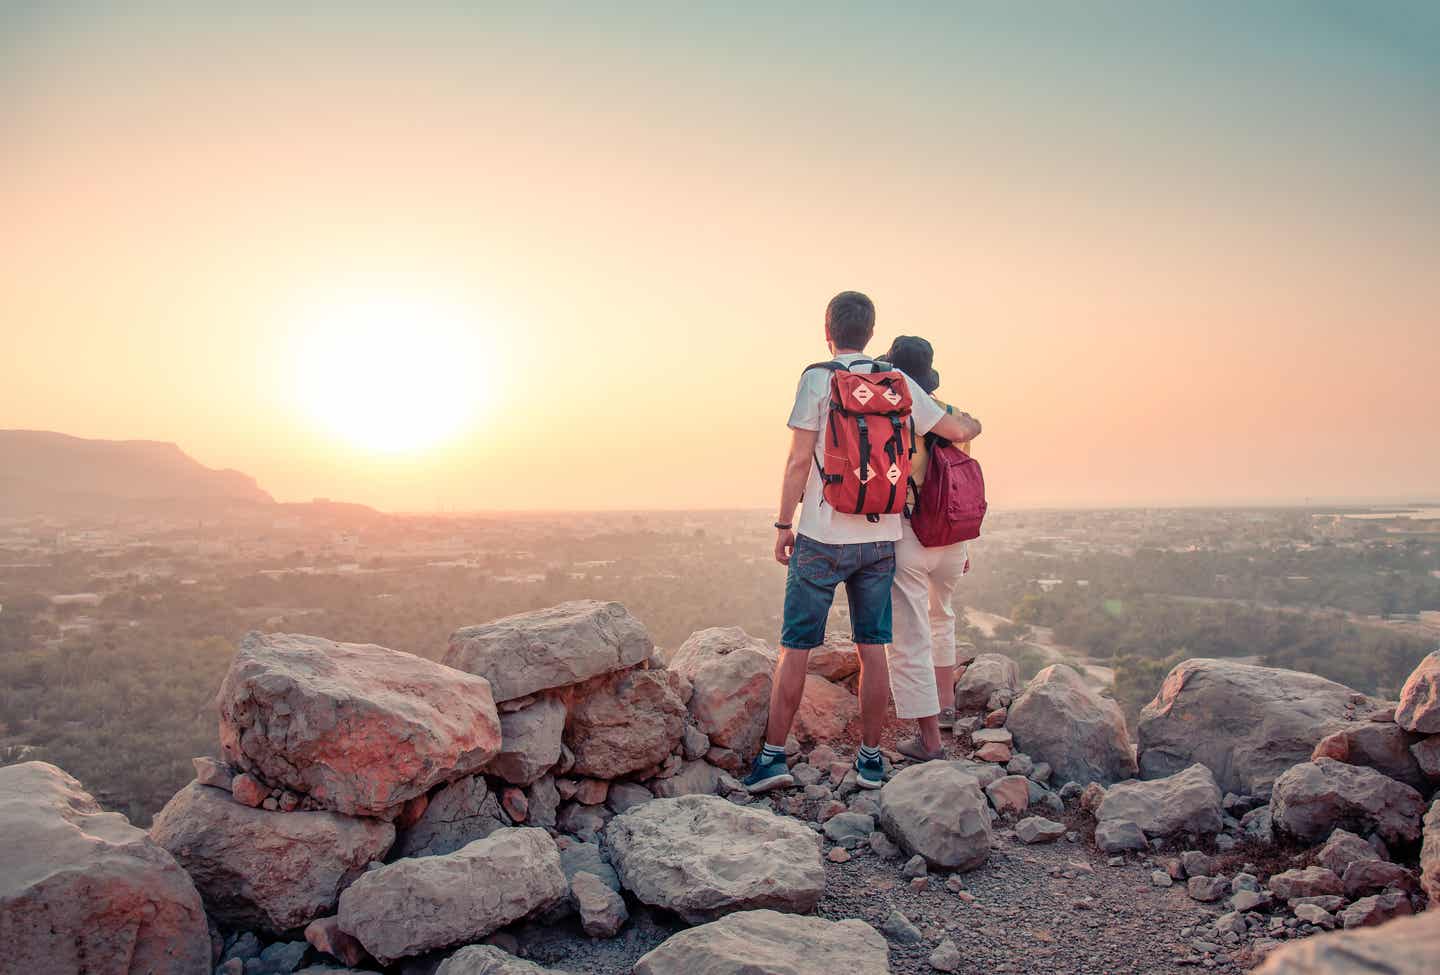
272, 871
489, 960
1247, 724
547, 648
1406, 946
1061, 720
1186, 803
751, 942
356, 728
530, 741
1313, 798
81, 890
703, 857
420, 904
936, 810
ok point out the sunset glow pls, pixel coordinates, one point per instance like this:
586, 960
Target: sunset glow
390, 373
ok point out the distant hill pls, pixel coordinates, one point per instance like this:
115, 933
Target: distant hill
56, 474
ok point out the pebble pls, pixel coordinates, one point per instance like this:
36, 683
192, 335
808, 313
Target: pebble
915, 867
898, 927
838, 855
945, 957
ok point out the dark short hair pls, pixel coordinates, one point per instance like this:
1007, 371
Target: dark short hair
850, 320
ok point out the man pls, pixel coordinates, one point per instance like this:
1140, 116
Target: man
831, 548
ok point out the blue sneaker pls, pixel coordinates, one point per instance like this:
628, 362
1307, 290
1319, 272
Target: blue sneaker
869, 774
767, 774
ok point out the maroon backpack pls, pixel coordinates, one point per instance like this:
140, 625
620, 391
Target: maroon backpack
950, 505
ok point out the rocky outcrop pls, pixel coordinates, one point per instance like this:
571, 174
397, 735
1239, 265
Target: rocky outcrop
731, 673
489, 960
703, 857
988, 674
457, 815
353, 727
1383, 746
1060, 720
937, 811
530, 741
835, 659
1186, 803
767, 941
624, 722
1313, 798
1247, 724
82, 890
1408, 946
826, 710
417, 905
1342, 849
549, 648
271, 871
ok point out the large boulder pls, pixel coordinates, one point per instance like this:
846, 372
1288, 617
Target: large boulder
826, 710
624, 722
547, 648
1060, 720
81, 890
1184, 804
1419, 708
272, 871
1383, 746
354, 727
751, 942
1405, 946
457, 815
530, 741
703, 857
987, 674
420, 904
731, 672
936, 810
1313, 798
1247, 724
1430, 855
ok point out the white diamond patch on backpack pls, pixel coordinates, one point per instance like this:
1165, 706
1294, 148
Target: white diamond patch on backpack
863, 394
891, 397
893, 474
867, 477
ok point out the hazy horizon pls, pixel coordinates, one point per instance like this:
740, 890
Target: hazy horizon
555, 259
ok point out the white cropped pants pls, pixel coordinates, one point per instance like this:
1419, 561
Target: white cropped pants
924, 621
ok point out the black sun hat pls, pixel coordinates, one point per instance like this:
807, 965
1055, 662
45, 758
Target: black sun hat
915, 357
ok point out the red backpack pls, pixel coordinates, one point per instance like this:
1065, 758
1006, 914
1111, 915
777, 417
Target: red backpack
950, 505
869, 441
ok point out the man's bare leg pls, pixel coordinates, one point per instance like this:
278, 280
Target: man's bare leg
874, 692
786, 690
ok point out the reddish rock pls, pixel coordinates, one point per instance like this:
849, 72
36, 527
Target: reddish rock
1430, 855
356, 728
996, 718
994, 751
324, 935
830, 810
81, 890
411, 812
1009, 795
592, 792
1419, 708
825, 712
835, 659
731, 672
514, 802
1383, 747
624, 722
248, 790
1369, 876
1375, 910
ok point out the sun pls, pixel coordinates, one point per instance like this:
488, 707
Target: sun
391, 373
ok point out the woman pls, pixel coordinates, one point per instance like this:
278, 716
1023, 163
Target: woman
922, 657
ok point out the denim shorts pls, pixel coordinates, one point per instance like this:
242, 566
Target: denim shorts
866, 568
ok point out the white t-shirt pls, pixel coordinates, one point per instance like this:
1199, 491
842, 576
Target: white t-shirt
818, 520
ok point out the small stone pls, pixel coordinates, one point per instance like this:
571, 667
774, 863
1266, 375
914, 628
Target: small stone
1250, 900
945, 957
996, 718
248, 790
1116, 861
602, 910
915, 867
919, 884
513, 801
1160, 878
1197, 864
898, 927
993, 752
592, 792
1317, 916
1037, 829
838, 855
270, 804
209, 771
1207, 890
883, 846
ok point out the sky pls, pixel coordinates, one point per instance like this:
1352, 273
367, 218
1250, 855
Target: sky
453, 256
